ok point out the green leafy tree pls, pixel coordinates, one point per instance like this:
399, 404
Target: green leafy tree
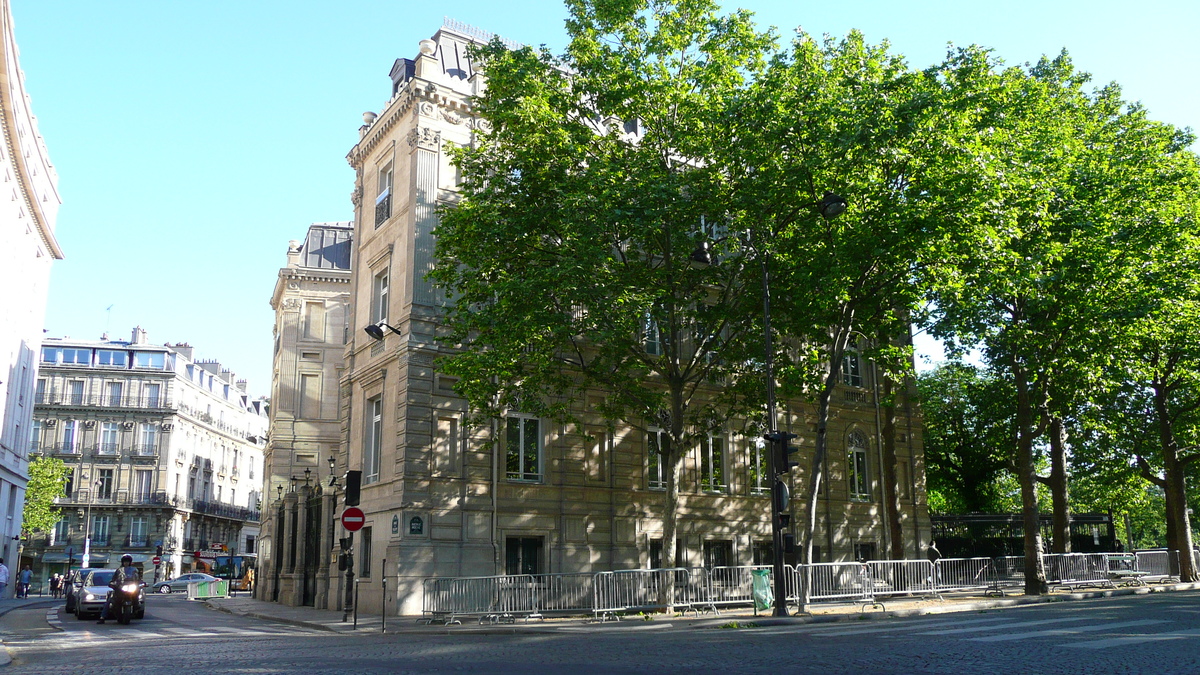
848, 117
1071, 188
47, 481
570, 254
968, 429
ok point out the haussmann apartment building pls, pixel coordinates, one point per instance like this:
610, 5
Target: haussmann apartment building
446, 498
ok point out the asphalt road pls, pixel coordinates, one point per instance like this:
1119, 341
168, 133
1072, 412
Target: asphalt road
1158, 633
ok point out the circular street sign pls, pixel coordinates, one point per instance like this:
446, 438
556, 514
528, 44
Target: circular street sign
156, 560
353, 519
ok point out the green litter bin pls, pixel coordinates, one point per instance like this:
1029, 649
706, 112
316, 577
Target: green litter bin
764, 597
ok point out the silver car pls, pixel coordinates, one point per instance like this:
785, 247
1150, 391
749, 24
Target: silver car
180, 583
94, 594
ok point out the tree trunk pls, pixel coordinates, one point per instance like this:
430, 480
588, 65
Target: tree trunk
1179, 530
816, 476
891, 487
1035, 575
1059, 486
673, 456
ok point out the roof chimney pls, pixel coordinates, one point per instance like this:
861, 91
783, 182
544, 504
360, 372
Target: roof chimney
139, 336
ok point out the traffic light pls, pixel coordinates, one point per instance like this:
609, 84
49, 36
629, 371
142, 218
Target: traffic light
781, 450
353, 485
158, 550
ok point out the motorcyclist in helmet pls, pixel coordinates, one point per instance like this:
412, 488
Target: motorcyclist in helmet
126, 572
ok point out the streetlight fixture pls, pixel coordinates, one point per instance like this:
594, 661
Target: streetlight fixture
332, 466
307, 476
830, 206
375, 330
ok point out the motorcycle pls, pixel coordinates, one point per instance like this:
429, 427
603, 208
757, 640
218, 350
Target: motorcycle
126, 602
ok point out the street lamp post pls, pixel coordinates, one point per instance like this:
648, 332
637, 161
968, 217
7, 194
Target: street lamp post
87, 523
829, 207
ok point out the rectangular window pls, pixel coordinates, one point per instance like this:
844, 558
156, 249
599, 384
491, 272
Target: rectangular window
35, 439
70, 439
138, 529
760, 467
651, 337
763, 553
70, 487
524, 448
251, 540
148, 444
153, 392
379, 298
851, 371
364, 556
864, 551
76, 389
39, 392
142, 482
373, 443
79, 357
656, 554
383, 196
856, 461
712, 464
314, 320
100, 530
718, 554
656, 441
113, 393
523, 555
111, 357
50, 354
110, 441
62, 532
310, 397
446, 445
104, 484
156, 360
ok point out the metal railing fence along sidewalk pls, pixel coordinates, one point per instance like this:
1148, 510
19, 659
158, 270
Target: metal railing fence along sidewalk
607, 595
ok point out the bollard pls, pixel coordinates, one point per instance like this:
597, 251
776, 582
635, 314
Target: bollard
383, 617
356, 583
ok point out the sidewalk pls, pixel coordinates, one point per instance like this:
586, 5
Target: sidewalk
822, 613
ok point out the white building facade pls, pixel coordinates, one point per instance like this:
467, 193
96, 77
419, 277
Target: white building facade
163, 451
27, 250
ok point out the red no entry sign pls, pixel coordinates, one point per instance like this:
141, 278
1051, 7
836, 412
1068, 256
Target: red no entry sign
353, 519
156, 560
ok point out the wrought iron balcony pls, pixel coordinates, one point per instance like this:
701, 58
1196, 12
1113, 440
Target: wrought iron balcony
383, 208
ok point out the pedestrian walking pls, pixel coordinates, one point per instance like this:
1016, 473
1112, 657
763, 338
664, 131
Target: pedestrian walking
55, 585
24, 578
935, 557
3, 577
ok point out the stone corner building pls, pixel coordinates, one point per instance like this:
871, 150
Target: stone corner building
528, 495
311, 300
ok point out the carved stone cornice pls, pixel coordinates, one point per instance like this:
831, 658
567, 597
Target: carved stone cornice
415, 92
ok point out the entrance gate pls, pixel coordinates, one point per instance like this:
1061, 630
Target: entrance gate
311, 556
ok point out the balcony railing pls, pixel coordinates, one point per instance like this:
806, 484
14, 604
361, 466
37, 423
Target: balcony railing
208, 419
143, 450
102, 400
108, 448
383, 208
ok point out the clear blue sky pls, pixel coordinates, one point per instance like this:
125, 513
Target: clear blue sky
194, 139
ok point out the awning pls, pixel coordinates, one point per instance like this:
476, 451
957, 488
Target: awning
56, 557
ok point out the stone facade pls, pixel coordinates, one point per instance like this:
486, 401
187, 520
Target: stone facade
311, 302
27, 250
162, 450
445, 498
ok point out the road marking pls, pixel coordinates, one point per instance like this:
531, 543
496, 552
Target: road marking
1133, 639
854, 630
1098, 628
1010, 624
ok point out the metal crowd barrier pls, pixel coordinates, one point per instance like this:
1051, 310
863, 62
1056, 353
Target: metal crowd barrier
729, 586
905, 577
508, 595
198, 590
645, 590
966, 574
1158, 564
1077, 569
609, 594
